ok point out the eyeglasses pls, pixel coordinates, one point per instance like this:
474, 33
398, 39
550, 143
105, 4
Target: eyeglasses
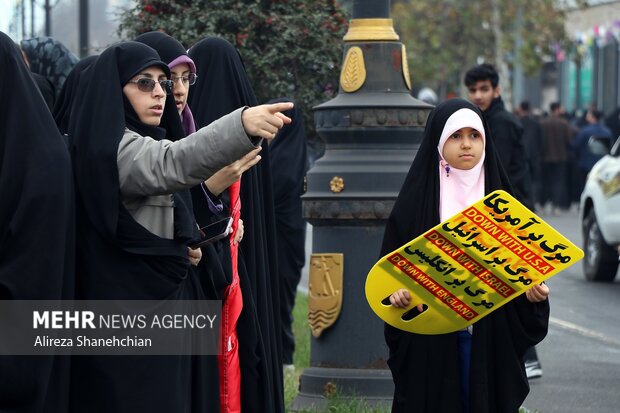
147, 85
187, 80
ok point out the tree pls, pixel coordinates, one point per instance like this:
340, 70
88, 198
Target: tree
446, 37
290, 48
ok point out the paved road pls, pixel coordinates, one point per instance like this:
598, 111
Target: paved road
581, 354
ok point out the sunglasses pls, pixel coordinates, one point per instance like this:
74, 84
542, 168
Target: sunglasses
147, 85
187, 80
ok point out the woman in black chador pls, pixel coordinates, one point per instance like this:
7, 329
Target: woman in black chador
289, 164
36, 228
223, 84
49, 58
435, 373
64, 104
135, 220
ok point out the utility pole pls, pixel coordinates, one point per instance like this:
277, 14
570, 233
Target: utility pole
48, 18
372, 130
32, 18
23, 13
84, 28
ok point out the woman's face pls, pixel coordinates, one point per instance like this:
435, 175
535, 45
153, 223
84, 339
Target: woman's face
464, 148
149, 105
181, 86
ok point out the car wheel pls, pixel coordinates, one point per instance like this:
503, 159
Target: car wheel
601, 260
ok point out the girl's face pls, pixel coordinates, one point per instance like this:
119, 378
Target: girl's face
180, 76
148, 104
463, 149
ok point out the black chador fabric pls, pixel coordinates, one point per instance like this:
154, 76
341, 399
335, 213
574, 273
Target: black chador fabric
214, 267
222, 87
117, 257
289, 164
46, 89
66, 98
50, 58
36, 228
507, 133
426, 368
166, 46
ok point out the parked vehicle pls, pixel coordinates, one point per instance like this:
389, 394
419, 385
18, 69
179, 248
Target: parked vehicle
600, 213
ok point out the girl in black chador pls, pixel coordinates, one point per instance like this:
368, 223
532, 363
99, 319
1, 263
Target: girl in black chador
135, 220
480, 369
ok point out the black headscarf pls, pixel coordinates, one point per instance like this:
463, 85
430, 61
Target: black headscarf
117, 257
66, 98
50, 58
96, 129
173, 53
289, 164
497, 377
167, 46
36, 226
222, 87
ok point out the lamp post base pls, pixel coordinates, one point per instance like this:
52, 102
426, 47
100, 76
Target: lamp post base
352, 387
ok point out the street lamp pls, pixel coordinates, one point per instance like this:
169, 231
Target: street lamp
372, 130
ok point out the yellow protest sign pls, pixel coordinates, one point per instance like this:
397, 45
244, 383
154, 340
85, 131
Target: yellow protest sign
469, 266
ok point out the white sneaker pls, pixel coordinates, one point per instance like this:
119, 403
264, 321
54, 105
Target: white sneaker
288, 368
533, 369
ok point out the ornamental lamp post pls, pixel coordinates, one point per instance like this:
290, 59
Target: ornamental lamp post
372, 130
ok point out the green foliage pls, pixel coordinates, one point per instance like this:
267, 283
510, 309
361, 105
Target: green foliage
301, 356
290, 48
444, 38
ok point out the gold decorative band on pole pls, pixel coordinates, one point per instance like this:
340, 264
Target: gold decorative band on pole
406, 74
370, 29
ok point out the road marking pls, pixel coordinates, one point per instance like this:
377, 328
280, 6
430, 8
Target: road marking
583, 331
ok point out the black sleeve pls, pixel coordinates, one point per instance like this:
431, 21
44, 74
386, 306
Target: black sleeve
518, 170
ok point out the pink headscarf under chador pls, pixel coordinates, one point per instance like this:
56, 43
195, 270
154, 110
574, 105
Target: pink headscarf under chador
459, 188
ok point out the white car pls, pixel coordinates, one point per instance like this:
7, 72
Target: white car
600, 213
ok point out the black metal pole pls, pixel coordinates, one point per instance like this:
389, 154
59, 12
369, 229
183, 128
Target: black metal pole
373, 9
23, 11
31, 18
48, 18
84, 26
372, 130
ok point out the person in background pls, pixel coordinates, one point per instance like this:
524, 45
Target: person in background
64, 104
289, 164
585, 158
533, 144
613, 122
49, 58
482, 83
557, 135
